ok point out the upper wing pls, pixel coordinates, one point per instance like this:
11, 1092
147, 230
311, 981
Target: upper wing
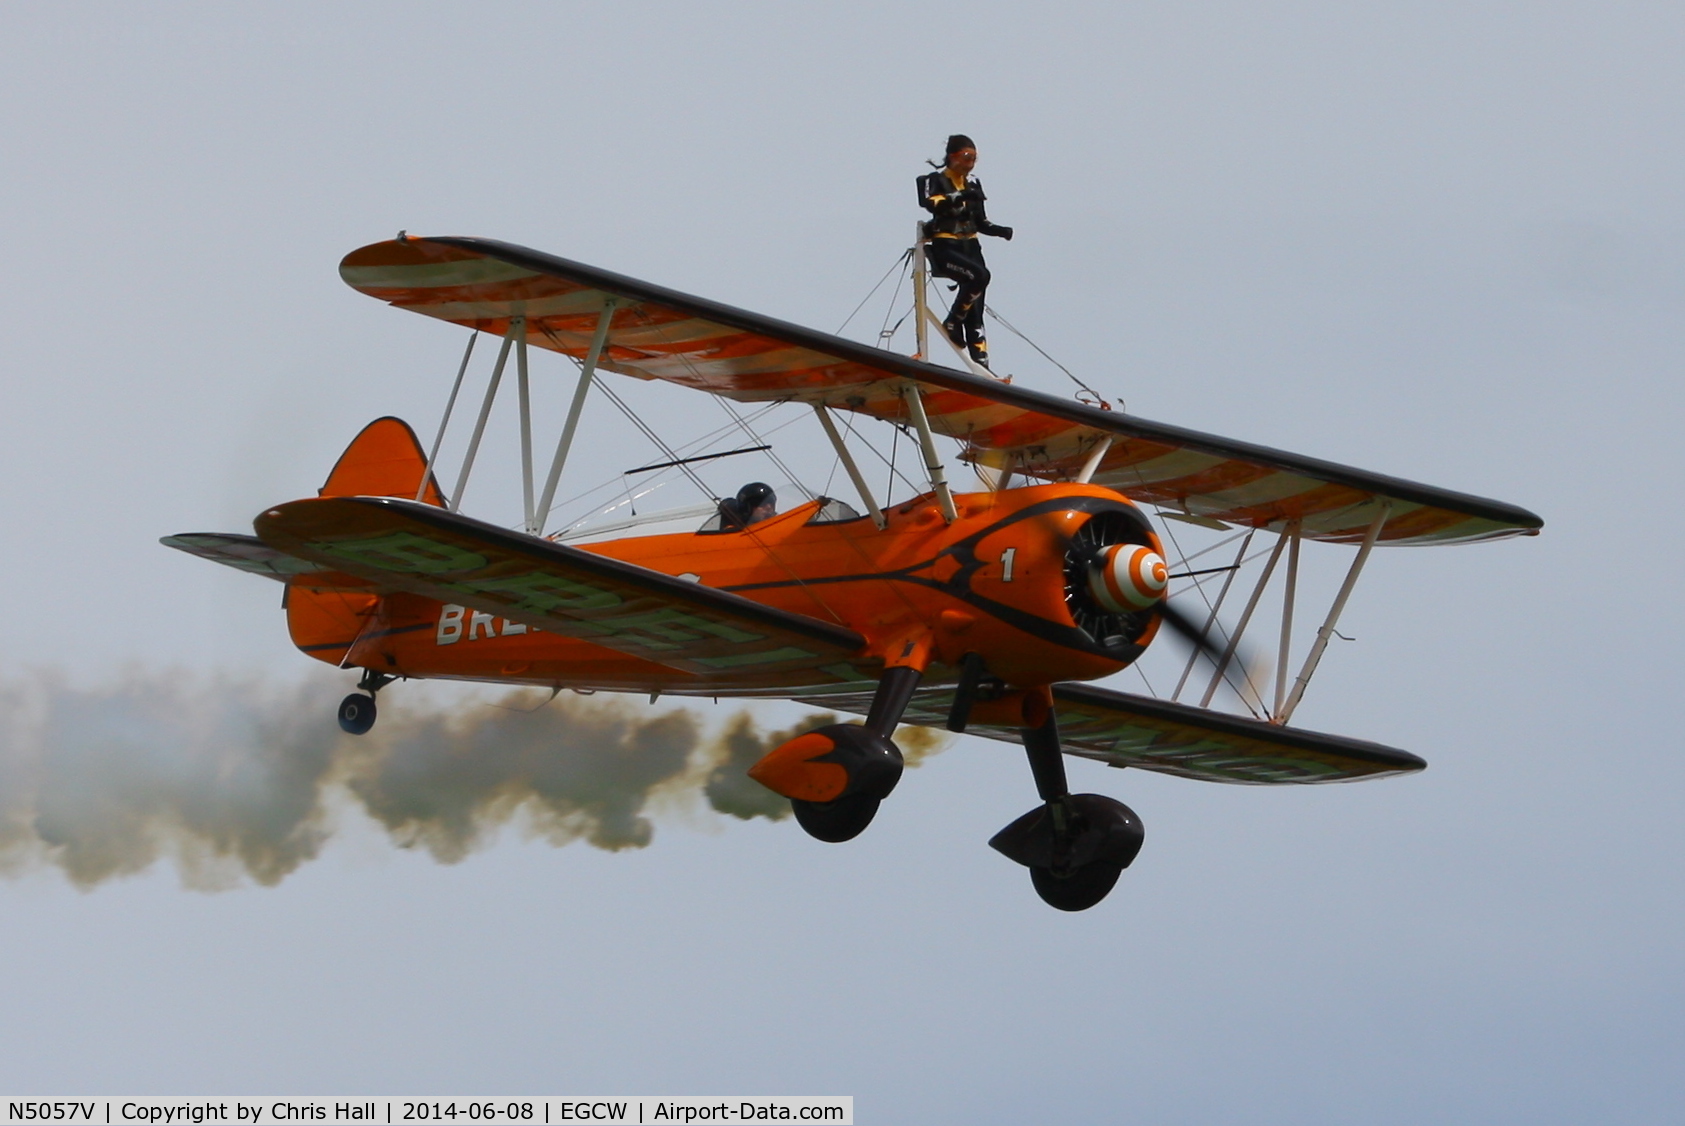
727, 642
1119, 729
658, 333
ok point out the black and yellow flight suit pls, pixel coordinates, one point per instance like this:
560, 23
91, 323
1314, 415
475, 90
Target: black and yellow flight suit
955, 253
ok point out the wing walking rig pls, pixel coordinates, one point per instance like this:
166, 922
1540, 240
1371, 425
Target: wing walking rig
983, 612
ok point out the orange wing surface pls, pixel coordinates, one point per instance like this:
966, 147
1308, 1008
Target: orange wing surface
1122, 730
721, 639
657, 333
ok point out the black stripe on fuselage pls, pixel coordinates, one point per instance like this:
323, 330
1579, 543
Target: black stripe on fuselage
364, 637
959, 586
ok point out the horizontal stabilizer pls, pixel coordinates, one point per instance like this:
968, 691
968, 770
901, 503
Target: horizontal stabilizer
1119, 729
243, 553
723, 639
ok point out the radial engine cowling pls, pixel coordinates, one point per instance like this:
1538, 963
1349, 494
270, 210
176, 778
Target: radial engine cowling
1125, 578
1115, 580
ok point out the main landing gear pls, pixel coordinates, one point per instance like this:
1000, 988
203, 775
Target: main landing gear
357, 711
1075, 845
836, 776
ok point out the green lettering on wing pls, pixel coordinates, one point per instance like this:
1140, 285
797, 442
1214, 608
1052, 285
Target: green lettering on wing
673, 624
742, 660
542, 593
406, 551
845, 671
666, 629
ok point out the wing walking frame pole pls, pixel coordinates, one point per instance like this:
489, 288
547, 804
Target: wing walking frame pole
920, 273
1240, 627
1095, 457
1287, 594
927, 445
526, 426
485, 413
587, 369
854, 473
1327, 631
924, 315
450, 405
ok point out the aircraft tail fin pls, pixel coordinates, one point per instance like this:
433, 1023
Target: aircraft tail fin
385, 460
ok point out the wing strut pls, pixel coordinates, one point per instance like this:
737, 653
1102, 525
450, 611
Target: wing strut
516, 326
1095, 457
450, 405
1240, 627
854, 473
525, 396
927, 446
586, 371
1211, 619
1287, 598
1327, 630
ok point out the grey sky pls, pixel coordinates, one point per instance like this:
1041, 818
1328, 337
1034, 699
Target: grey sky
1439, 240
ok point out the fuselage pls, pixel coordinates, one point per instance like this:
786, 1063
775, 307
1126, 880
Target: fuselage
997, 581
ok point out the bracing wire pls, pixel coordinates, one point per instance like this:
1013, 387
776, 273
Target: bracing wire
848, 424
1228, 673
632, 416
743, 425
905, 256
1006, 324
1211, 621
687, 447
886, 334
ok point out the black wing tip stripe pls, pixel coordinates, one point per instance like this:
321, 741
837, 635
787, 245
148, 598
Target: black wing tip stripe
1108, 421
1391, 758
629, 573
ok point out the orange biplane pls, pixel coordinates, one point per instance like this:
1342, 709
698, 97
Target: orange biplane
981, 611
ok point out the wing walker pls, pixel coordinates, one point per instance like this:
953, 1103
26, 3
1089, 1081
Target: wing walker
985, 612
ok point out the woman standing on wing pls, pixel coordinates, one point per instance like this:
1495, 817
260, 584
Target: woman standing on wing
955, 198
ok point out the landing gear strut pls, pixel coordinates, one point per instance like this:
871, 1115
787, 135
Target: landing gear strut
836, 776
1075, 845
357, 711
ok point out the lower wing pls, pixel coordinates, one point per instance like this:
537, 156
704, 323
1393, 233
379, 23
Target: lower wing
1119, 729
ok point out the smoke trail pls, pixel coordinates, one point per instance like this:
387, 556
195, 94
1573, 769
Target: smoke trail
235, 780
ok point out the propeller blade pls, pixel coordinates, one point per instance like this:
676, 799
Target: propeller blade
1241, 663
1189, 631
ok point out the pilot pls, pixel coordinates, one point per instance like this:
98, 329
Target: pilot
955, 198
753, 503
